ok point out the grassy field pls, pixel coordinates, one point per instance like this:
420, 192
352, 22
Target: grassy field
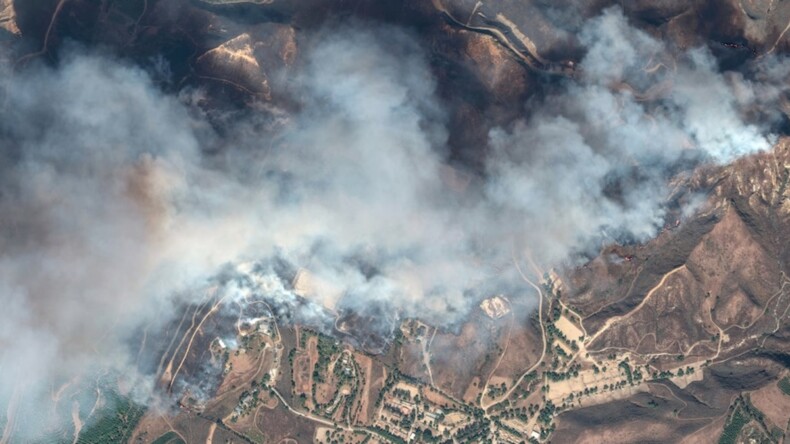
169, 438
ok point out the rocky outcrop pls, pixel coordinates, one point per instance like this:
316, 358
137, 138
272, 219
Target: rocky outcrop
249, 60
8, 17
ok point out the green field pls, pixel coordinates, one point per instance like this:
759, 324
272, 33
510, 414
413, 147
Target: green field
733, 427
784, 385
115, 423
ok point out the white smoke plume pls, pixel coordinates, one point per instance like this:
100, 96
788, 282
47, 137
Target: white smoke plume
111, 213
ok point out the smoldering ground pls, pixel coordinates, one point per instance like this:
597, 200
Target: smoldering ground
113, 215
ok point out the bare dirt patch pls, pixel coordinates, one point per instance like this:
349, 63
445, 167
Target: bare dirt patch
570, 329
522, 351
774, 403
302, 374
280, 424
473, 390
365, 365
377, 379
243, 367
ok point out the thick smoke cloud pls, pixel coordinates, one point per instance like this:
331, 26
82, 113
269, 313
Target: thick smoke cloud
592, 162
111, 213
94, 157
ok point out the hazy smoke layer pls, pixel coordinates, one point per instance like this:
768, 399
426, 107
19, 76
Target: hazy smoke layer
111, 213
